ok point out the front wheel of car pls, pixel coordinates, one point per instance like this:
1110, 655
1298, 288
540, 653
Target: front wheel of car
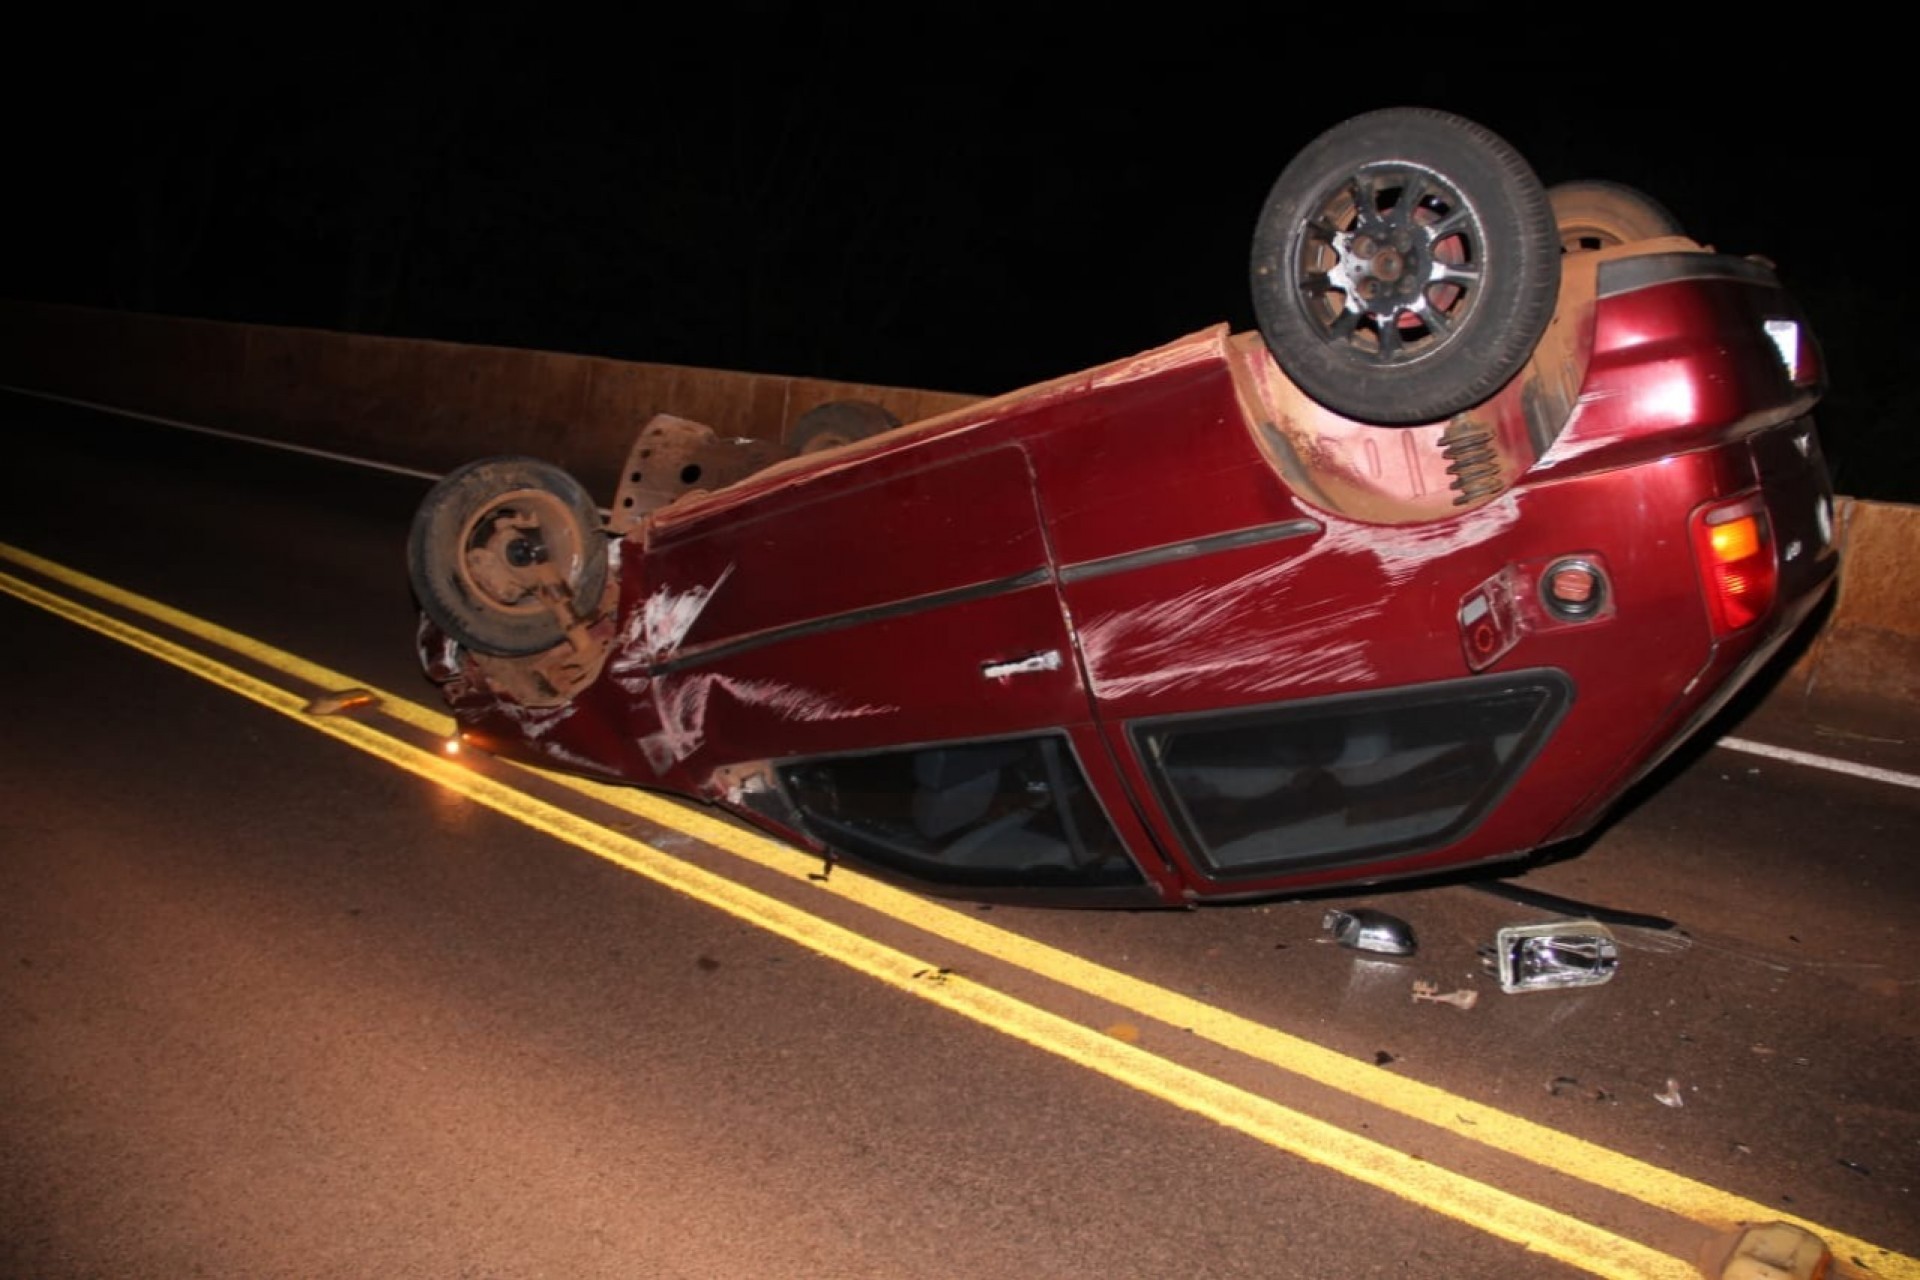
1404, 266
506, 554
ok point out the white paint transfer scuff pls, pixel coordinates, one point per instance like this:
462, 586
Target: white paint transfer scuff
535, 722
682, 703
1400, 551
574, 759
1196, 348
652, 632
1200, 634
1260, 664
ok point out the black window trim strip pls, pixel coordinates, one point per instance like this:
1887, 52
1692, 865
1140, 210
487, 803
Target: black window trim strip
1172, 551
701, 655
1164, 554
1629, 275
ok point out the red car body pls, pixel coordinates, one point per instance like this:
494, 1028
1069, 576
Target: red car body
1170, 631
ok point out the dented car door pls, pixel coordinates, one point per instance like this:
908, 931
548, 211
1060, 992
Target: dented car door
797, 626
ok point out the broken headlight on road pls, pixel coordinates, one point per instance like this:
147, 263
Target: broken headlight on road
1542, 957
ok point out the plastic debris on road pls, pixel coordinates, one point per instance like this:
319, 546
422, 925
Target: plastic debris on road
332, 704
1769, 1251
1431, 994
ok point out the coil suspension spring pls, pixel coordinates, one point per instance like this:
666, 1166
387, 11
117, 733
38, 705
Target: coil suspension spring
1471, 460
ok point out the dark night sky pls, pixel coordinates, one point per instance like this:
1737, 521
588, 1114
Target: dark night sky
906, 195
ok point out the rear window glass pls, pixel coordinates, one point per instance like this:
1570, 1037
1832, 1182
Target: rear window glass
1335, 780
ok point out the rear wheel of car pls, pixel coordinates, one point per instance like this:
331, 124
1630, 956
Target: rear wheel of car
1404, 266
1594, 214
838, 422
506, 552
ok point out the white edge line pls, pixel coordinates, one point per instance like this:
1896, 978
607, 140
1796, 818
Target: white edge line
1807, 758
307, 450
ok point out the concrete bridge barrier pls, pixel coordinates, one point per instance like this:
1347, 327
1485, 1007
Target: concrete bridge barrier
433, 405
412, 403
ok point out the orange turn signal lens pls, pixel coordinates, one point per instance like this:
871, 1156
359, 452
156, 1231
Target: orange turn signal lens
1737, 539
1733, 544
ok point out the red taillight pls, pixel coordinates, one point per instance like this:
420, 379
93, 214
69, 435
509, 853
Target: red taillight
1734, 545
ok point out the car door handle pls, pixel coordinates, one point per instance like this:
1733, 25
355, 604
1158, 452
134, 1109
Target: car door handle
1005, 668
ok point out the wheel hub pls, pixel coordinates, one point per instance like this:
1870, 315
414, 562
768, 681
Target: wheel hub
510, 557
1382, 268
523, 553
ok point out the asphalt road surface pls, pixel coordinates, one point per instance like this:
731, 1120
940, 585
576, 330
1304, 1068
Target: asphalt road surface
289, 994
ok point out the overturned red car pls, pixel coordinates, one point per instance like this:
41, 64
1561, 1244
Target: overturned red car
1510, 492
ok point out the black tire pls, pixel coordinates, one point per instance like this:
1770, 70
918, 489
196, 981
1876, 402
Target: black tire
1594, 214
482, 541
1404, 266
838, 422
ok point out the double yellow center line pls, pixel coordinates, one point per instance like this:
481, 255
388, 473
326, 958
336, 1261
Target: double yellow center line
1477, 1204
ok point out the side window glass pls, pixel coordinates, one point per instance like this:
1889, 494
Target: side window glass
1336, 779
1012, 814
